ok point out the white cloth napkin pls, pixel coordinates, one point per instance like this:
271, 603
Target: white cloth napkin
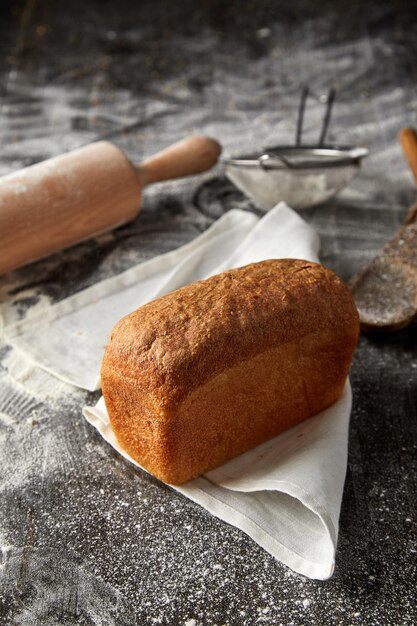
285, 494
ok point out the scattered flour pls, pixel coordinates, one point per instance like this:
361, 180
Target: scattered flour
34, 380
10, 312
31, 446
6, 420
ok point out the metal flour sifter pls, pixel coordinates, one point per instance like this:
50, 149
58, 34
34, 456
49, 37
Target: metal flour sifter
301, 175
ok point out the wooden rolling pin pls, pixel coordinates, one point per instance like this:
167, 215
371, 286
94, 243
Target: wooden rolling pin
57, 203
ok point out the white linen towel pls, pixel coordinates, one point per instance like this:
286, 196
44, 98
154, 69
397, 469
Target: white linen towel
285, 494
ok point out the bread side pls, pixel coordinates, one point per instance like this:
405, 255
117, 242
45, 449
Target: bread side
215, 368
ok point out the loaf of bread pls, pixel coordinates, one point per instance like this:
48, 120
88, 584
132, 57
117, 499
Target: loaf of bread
213, 369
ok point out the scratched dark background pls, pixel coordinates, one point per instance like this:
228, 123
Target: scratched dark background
84, 538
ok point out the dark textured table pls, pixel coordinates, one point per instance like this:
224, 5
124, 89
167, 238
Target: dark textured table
84, 537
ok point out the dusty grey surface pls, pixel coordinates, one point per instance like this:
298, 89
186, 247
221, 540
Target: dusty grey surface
84, 537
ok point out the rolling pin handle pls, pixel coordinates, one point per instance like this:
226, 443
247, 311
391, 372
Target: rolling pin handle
192, 155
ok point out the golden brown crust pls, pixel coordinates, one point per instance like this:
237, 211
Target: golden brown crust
213, 324
182, 375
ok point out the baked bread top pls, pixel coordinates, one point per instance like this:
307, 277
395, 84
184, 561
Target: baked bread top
174, 344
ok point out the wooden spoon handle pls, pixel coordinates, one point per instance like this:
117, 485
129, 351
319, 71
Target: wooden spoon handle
192, 155
408, 140
412, 214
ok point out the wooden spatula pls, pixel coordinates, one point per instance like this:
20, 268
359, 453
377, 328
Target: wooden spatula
385, 291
